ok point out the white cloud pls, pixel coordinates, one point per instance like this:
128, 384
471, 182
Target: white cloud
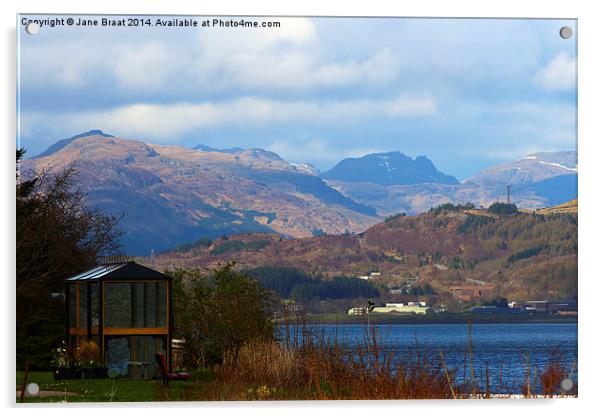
147, 66
379, 69
558, 74
170, 121
287, 58
55, 64
292, 69
316, 151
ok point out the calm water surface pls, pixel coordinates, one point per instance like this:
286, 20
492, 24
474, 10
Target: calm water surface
506, 350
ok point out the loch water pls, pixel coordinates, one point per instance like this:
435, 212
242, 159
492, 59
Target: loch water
504, 351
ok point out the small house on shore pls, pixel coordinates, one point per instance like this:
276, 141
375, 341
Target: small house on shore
126, 308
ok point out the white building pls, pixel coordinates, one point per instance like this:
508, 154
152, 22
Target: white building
416, 308
356, 311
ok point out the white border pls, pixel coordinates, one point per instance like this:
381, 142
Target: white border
590, 370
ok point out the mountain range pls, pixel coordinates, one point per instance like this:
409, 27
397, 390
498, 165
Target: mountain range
173, 195
537, 180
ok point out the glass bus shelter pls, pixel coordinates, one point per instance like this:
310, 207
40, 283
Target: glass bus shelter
126, 309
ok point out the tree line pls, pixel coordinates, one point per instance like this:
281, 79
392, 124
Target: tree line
291, 283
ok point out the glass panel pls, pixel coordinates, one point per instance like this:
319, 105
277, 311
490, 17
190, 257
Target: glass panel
150, 303
161, 304
118, 305
140, 348
138, 305
72, 305
117, 356
143, 366
94, 287
83, 310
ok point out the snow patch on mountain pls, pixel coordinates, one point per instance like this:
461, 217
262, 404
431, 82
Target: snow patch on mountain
306, 168
558, 165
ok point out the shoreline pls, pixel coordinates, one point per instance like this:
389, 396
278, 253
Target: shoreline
439, 319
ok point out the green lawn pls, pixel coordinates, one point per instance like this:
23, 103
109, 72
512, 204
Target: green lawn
113, 390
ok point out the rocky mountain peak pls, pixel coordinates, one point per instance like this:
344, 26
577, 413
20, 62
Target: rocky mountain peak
388, 169
62, 143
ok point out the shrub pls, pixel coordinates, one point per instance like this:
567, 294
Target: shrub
219, 315
501, 208
63, 356
87, 354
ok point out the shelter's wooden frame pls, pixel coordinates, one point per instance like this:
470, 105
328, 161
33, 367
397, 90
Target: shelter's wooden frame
88, 331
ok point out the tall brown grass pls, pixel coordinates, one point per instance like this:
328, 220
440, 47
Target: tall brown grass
310, 366
317, 369
87, 354
553, 374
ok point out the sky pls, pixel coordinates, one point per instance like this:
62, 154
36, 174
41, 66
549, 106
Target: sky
467, 93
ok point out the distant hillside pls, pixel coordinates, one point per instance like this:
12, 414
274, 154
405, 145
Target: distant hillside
570, 207
525, 255
531, 169
537, 181
173, 195
555, 190
393, 168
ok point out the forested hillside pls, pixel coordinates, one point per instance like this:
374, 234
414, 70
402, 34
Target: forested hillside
524, 255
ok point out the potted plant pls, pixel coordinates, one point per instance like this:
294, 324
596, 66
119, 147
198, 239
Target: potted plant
89, 359
81, 361
64, 367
